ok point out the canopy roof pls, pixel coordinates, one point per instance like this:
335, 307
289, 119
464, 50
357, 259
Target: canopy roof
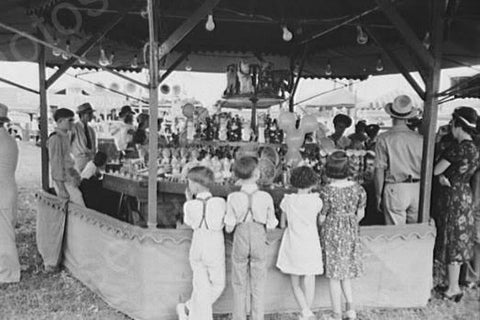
246, 29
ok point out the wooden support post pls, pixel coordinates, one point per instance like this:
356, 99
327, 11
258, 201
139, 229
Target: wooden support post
186, 27
398, 63
253, 119
406, 32
18, 85
42, 65
153, 137
174, 65
86, 47
431, 112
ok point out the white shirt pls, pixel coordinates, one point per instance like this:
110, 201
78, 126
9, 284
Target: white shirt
121, 136
215, 208
89, 171
263, 210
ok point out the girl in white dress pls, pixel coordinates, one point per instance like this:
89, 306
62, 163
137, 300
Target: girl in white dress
300, 254
9, 265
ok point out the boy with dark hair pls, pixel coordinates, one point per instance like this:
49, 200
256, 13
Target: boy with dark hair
63, 172
249, 211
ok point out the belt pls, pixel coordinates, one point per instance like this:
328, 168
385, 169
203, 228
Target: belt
409, 180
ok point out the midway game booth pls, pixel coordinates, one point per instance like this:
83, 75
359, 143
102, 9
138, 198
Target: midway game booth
269, 45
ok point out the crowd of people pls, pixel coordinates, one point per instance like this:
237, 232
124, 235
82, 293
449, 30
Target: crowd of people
333, 212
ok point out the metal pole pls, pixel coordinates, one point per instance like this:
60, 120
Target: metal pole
43, 116
153, 138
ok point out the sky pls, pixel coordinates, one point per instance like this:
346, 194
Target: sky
208, 87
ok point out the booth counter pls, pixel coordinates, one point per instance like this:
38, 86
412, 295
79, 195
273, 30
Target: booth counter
144, 273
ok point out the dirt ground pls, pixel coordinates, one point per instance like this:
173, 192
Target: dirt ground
60, 296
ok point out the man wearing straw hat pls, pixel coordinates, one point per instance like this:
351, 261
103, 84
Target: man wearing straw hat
84, 143
9, 264
398, 165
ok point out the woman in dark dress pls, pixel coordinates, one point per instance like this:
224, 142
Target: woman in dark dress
454, 242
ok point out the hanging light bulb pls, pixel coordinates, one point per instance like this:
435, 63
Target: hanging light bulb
210, 24
56, 52
66, 55
362, 37
134, 64
188, 67
82, 61
103, 60
110, 59
287, 35
426, 41
328, 69
379, 65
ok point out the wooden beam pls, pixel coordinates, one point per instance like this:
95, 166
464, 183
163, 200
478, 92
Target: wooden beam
18, 85
173, 66
42, 76
406, 32
89, 44
337, 26
431, 111
397, 62
421, 69
299, 76
153, 110
186, 27
51, 46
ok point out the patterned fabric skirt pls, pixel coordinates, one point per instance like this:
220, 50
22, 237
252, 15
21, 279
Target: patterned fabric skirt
342, 248
455, 229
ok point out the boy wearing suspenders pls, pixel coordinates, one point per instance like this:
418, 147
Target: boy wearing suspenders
205, 215
250, 212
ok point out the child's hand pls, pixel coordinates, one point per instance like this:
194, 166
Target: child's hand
444, 181
188, 194
321, 218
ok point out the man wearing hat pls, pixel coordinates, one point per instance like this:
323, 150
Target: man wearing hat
84, 143
9, 265
123, 132
398, 164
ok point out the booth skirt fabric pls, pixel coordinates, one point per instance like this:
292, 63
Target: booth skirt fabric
9, 265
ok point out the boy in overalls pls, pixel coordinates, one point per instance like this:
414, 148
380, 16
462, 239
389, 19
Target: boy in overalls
249, 211
205, 215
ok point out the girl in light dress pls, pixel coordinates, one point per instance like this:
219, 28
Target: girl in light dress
344, 204
300, 254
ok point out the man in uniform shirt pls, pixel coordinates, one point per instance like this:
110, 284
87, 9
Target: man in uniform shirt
84, 145
398, 164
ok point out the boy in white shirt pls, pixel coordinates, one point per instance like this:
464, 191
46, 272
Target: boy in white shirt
205, 215
249, 211
94, 166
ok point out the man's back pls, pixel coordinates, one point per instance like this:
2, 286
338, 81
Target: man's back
399, 152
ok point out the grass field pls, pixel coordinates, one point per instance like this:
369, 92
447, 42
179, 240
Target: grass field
60, 296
